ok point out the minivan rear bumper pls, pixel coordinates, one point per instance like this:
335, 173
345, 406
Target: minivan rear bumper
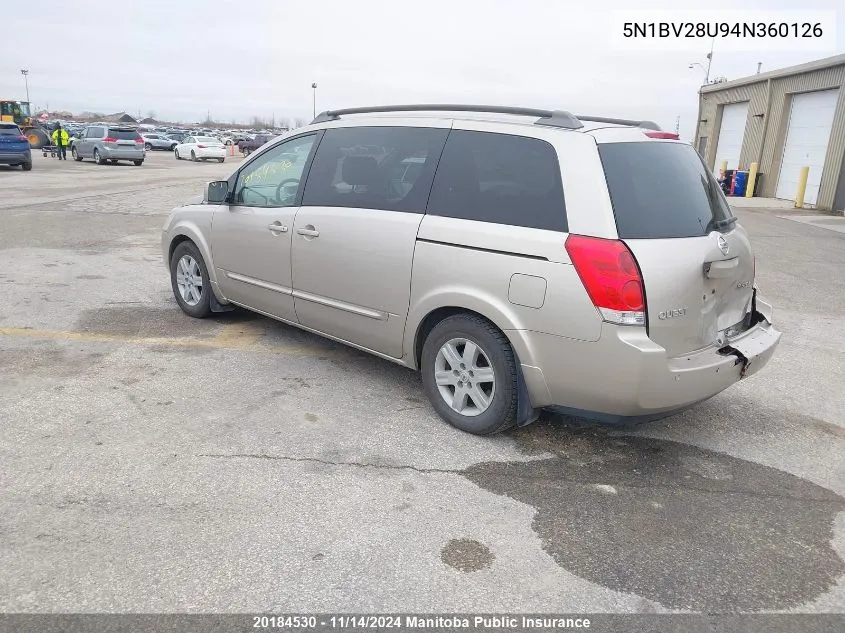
627, 375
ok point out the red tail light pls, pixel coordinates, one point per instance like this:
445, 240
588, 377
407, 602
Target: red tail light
610, 276
139, 140
201, 146
109, 139
658, 134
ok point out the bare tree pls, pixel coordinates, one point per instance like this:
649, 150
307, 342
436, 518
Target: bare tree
299, 122
284, 122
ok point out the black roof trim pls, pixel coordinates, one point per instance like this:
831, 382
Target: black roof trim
552, 118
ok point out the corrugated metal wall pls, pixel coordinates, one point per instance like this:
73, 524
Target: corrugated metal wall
777, 113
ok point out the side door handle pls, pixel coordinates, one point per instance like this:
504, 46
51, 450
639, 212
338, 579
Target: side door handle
308, 231
277, 228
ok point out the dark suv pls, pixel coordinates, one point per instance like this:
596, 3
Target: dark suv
14, 147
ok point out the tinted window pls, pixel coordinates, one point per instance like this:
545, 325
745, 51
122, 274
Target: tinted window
273, 179
9, 130
499, 178
371, 168
95, 132
122, 135
662, 190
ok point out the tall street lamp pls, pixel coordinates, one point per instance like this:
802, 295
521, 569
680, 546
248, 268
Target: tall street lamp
25, 74
314, 89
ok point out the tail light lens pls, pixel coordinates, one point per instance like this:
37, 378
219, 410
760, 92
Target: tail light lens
109, 139
611, 278
201, 146
659, 134
139, 140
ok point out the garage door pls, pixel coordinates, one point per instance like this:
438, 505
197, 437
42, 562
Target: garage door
731, 133
810, 120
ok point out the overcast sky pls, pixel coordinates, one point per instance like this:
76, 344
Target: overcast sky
240, 58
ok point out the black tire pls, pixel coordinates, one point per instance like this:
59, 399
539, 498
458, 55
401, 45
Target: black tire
176, 154
148, 147
26, 166
75, 155
193, 156
97, 158
500, 415
203, 308
138, 163
172, 147
221, 160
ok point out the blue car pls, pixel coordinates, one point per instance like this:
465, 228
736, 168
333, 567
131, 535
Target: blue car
14, 147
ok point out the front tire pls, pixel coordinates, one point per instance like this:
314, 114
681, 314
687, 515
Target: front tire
189, 280
75, 155
469, 373
138, 163
193, 156
97, 158
26, 166
221, 159
176, 154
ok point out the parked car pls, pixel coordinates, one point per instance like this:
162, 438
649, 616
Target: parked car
630, 298
14, 147
200, 148
249, 146
153, 140
109, 144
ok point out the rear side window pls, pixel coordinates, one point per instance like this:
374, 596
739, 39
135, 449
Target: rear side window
388, 168
662, 190
9, 130
501, 178
123, 135
94, 132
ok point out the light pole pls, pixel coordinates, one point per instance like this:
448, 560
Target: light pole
706, 71
25, 74
314, 89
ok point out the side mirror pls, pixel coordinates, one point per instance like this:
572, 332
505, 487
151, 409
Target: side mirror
217, 192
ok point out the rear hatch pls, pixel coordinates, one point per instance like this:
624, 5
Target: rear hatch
12, 140
696, 261
123, 138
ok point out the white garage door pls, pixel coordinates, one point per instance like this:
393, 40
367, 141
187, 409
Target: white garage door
731, 133
810, 120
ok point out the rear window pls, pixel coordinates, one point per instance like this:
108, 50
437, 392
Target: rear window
662, 190
500, 178
9, 130
123, 135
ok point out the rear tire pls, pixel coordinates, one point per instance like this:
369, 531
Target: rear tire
138, 163
75, 155
184, 285
495, 410
193, 156
148, 147
221, 160
176, 154
97, 158
26, 166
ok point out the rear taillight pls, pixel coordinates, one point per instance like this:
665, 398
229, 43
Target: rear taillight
109, 139
201, 146
658, 134
139, 140
610, 276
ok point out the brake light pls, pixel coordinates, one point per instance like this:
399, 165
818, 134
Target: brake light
139, 139
201, 146
109, 139
658, 134
610, 276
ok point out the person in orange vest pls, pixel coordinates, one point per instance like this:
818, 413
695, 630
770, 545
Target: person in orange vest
60, 140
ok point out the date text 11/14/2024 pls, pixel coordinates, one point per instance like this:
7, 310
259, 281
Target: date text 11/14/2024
418, 622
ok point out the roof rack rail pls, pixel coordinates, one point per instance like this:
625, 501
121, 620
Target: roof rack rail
649, 125
552, 118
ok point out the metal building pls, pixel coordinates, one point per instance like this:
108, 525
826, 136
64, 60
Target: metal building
782, 120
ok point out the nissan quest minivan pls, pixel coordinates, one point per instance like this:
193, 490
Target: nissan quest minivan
518, 258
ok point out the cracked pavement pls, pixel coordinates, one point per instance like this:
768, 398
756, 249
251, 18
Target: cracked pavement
152, 462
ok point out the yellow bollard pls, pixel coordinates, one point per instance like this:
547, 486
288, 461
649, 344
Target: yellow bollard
752, 178
802, 187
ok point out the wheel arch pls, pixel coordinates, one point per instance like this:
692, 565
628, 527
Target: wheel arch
184, 231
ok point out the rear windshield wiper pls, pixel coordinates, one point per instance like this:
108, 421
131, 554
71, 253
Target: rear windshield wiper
724, 223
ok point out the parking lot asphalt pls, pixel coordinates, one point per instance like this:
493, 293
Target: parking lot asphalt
152, 462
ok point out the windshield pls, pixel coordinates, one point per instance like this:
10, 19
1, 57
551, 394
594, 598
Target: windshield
25, 109
662, 190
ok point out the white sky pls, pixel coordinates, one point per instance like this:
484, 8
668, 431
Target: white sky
239, 58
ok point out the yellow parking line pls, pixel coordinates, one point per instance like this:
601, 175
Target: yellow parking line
240, 336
